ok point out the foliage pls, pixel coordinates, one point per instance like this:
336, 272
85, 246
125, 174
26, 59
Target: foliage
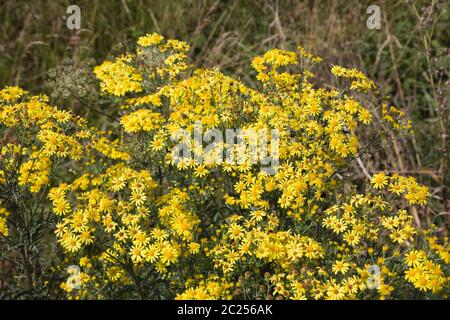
141, 224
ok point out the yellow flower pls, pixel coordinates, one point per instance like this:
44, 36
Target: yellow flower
235, 231
351, 238
379, 180
414, 258
71, 243
365, 116
335, 292
138, 197
194, 247
137, 254
200, 171
61, 207
340, 267
149, 40
169, 255
151, 253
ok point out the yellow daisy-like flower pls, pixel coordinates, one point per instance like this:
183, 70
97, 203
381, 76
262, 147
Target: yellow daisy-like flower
340, 267
138, 197
414, 257
169, 255
379, 180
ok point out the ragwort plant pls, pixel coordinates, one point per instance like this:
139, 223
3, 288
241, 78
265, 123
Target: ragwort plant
40, 143
142, 224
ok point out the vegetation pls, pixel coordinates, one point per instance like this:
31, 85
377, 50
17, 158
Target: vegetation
357, 207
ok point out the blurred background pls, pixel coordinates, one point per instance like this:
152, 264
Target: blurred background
408, 56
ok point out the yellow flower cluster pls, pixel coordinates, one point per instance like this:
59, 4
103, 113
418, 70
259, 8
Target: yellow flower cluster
45, 133
279, 223
398, 185
139, 222
150, 40
395, 117
260, 241
269, 65
119, 77
3, 225
141, 120
359, 80
423, 273
115, 208
11, 93
308, 55
46, 136
208, 289
162, 58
